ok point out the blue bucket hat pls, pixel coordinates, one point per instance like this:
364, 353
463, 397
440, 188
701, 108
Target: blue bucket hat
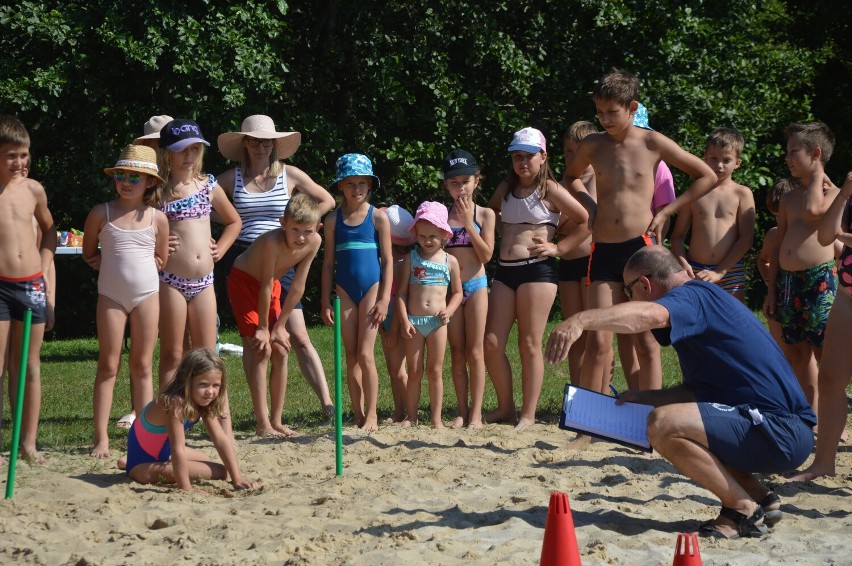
641, 118
353, 164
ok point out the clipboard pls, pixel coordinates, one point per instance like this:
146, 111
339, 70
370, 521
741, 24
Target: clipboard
589, 412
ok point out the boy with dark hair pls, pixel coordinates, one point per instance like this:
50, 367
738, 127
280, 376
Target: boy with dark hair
802, 281
624, 158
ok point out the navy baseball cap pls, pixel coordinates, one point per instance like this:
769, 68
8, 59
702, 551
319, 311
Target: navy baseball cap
179, 134
459, 162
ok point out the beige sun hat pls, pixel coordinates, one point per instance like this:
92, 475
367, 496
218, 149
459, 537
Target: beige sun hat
152, 128
260, 127
138, 158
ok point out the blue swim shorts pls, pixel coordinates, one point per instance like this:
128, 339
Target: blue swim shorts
747, 440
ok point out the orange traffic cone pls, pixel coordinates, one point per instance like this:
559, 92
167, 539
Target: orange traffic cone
686, 550
560, 541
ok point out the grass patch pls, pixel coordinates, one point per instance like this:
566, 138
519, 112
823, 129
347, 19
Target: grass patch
68, 373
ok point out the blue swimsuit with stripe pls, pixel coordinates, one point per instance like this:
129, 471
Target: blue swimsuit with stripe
356, 249
148, 443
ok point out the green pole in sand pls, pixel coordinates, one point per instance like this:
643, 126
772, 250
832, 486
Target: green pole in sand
338, 389
19, 405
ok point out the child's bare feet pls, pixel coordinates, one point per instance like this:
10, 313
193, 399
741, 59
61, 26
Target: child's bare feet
475, 425
524, 423
370, 424
397, 417
100, 451
457, 423
580, 442
34, 457
813, 472
268, 431
285, 430
407, 423
508, 417
121, 464
437, 424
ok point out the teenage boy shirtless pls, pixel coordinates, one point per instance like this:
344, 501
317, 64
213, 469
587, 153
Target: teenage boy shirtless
624, 158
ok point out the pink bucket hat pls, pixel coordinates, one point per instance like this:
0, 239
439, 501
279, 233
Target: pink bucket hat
529, 140
435, 214
401, 223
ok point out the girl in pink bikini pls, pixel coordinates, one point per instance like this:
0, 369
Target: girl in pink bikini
187, 299
134, 245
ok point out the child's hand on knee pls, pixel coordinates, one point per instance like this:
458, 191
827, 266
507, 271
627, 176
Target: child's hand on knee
281, 338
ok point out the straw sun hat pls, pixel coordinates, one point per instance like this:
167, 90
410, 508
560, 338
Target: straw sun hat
138, 158
259, 127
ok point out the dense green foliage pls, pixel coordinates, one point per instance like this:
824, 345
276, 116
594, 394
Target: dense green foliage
405, 82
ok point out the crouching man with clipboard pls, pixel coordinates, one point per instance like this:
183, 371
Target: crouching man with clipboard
739, 410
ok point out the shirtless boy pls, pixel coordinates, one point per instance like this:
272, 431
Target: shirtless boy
802, 280
722, 221
624, 158
254, 291
23, 262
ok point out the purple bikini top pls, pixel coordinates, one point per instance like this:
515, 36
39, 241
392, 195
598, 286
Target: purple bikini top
196, 205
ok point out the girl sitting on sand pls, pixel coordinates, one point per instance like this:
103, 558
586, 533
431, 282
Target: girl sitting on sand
156, 445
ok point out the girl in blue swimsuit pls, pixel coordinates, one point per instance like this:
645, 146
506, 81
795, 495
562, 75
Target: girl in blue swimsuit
358, 260
472, 244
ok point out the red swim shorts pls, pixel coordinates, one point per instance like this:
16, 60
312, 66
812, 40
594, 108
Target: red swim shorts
243, 291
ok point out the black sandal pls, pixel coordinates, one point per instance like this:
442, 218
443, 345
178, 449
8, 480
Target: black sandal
745, 526
771, 516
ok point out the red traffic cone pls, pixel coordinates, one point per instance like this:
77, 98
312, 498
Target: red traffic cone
686, 550
560, 541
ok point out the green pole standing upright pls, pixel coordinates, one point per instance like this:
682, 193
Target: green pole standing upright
19, 404
338, 389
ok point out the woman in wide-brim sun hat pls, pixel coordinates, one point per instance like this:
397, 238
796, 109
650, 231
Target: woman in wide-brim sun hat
258, 127
260, 187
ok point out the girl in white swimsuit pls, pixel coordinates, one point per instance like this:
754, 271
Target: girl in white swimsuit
134, 244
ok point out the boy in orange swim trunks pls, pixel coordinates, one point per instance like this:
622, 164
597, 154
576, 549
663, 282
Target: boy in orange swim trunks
254, 291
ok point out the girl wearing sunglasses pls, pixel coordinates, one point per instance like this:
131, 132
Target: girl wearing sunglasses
133, 236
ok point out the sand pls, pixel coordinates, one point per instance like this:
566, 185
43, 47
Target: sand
405, 497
